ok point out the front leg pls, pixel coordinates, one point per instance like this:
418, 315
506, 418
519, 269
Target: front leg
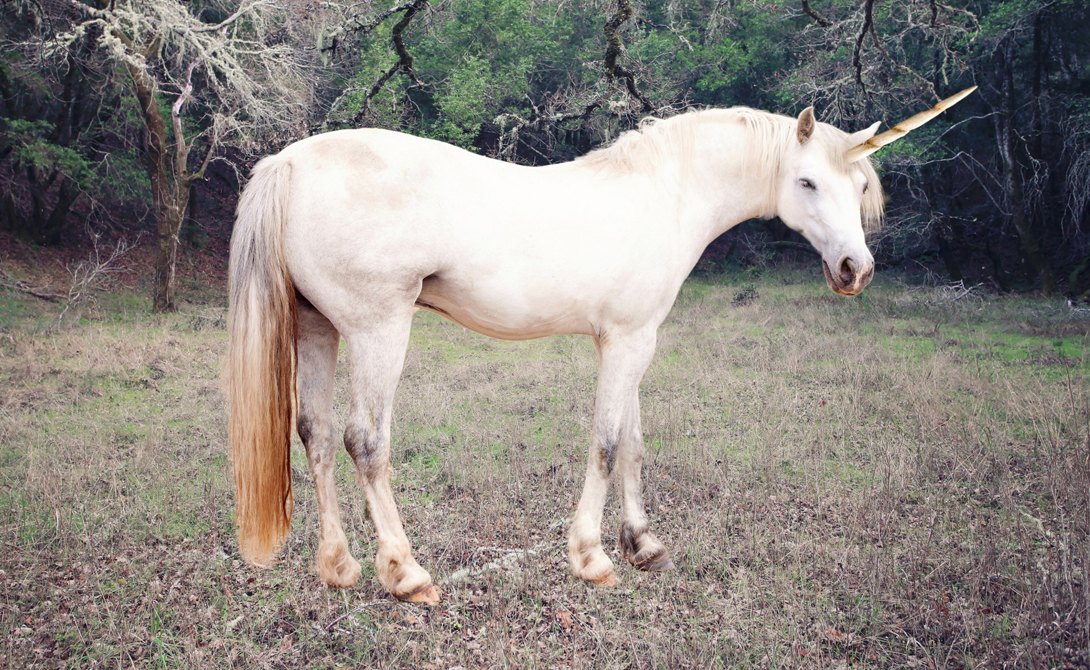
622, 360
585, 555
637, 543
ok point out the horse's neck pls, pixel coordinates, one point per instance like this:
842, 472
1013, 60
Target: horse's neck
704, 191
721, 191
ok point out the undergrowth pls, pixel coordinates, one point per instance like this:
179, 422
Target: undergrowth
895, 480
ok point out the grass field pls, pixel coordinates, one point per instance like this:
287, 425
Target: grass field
895, 480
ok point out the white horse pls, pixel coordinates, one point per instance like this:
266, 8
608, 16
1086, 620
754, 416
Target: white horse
346, 234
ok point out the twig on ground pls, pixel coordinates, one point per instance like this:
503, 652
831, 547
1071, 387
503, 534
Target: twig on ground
92, 274
507, 562
355, 610
19, 285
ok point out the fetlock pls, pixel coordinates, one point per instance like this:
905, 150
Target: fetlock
643, 550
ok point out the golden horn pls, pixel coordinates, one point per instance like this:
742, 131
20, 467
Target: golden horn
901, 129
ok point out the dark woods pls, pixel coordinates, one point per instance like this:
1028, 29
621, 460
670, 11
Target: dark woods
121, 121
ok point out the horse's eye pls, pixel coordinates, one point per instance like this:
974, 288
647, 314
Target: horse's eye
808, 185
866, 186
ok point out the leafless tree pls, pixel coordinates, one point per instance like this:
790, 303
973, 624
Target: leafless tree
93, 274
229, 63
878, 82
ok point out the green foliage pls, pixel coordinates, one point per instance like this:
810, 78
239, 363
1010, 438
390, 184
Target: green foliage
124, 178
483, 69
464, 102
487, 59
32, 147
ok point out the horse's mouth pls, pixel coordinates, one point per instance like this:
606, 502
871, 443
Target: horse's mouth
835, 284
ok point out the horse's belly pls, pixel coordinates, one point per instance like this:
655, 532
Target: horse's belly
504, 312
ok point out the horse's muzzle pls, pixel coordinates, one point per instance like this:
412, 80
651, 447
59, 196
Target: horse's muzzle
851, 276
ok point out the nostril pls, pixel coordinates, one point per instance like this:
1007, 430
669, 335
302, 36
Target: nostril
847, 270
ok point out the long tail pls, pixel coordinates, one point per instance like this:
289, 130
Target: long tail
262, 326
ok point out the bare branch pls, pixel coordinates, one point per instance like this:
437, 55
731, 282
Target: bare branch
899, 65
357, 25
404, 57
868, 24
818, 18
19, 285
404, 62
613, 52
182, 153
366, 104
213, 146
92, 275
242, 11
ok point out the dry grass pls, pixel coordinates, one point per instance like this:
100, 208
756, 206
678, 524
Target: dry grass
894, 481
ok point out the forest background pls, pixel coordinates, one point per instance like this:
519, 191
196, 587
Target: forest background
897, 480
140, 119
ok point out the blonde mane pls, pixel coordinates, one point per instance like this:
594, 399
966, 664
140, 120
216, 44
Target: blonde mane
669, 143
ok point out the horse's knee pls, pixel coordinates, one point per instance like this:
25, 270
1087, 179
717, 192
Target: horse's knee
308, 433
606, 453
316, 435
367, 449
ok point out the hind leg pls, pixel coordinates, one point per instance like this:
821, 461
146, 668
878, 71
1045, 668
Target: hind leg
318, 341
377, 352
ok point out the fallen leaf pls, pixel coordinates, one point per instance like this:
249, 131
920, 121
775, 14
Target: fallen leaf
564, 618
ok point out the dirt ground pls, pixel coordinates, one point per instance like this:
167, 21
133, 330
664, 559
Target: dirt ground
896, 480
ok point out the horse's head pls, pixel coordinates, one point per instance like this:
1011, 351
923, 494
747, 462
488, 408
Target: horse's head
828, 199
828, 191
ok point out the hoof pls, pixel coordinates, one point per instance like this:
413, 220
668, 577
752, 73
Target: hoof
426, 595
608, 580
589, 563
339, 570
658, 563
404, 579
645, 551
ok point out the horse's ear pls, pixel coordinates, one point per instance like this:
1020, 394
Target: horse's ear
806, 125
863, 135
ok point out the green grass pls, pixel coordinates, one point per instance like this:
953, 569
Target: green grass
884, 481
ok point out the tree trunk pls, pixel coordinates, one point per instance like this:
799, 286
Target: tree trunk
10, 213
192, 231
166, 257
168, 213
949, 258
1004, 130
58, 219
998, 274
36, 217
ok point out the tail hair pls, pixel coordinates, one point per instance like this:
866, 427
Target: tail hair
262, 326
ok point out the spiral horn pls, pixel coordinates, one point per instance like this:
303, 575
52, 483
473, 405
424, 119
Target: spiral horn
898, 131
